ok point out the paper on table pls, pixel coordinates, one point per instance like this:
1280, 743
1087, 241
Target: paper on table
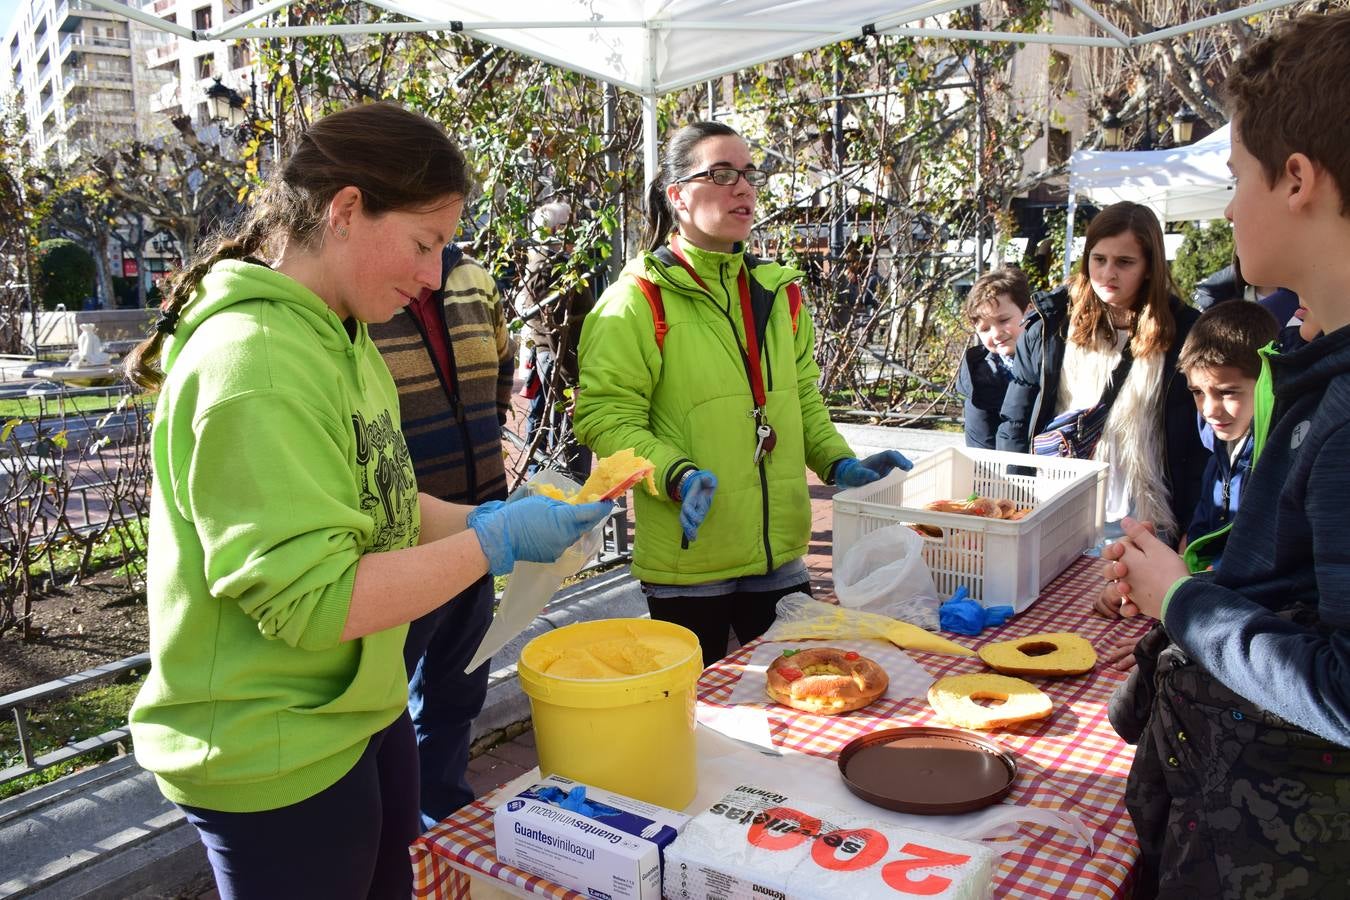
530, 586
746, 724
723, 764
908, 679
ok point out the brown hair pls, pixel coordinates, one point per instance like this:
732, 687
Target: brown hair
1154, 326
399, 160
1283, 100
984, 293
675, 164
1229, 334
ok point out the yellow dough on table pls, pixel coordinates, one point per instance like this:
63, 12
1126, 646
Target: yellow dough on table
837, 623
614, 657
609, 472
1048, 655
953, 698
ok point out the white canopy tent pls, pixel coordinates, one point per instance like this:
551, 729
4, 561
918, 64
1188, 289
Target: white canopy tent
1180, 184
652, 47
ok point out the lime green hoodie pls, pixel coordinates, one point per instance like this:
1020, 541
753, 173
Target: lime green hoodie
278, 462
690, 402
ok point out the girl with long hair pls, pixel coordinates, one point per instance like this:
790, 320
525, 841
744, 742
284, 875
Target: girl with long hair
1120, 300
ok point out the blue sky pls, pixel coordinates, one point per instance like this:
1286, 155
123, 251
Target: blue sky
7, 10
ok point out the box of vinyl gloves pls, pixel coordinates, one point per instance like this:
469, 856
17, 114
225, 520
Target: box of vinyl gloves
757, 843
601, 844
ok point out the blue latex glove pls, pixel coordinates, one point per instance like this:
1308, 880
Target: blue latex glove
995, 616
961, 615
856, 473
531, 529
696, 501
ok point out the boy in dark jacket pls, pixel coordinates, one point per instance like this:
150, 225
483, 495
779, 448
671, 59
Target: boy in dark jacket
1222, 362
1238, 786
995, 307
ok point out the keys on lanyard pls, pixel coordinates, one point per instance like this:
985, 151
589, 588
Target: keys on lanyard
767, 437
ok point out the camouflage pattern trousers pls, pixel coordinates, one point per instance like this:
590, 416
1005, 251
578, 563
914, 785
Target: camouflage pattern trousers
1230, 800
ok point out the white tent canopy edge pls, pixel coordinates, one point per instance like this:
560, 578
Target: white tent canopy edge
653, 47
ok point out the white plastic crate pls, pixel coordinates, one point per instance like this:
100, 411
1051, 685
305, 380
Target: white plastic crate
1000, 562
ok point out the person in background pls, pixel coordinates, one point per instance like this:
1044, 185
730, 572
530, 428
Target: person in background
552, 314
1074, 346
994, 307
288, 544
1228, 284
452, 358
722, 399
1221, 360
1238, 783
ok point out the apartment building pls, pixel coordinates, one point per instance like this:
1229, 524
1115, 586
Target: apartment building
76, 73
194, 66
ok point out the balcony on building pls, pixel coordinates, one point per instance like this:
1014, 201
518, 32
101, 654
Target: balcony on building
89, 75
70, 13
162, 55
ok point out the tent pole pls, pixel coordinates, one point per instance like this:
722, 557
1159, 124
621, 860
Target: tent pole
1068, 236
650, 142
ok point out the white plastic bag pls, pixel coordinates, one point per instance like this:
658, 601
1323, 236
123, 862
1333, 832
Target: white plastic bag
885, 573
530, 585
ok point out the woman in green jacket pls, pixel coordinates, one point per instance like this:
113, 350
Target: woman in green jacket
288, 544
699, 359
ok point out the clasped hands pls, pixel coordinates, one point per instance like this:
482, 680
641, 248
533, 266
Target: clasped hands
1142, 569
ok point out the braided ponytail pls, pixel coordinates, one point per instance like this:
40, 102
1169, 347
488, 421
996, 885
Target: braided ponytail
142, 363
397, 159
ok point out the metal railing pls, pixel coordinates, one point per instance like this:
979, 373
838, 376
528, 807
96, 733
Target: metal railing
20, 702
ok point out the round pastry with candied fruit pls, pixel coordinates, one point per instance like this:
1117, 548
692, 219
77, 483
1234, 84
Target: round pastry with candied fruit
825, 680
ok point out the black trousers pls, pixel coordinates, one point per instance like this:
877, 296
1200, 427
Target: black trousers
748, 613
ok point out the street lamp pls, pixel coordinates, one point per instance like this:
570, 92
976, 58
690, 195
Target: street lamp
1111, 129
1183, 125
225, 104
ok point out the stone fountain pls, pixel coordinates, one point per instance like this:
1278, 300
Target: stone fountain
89, 365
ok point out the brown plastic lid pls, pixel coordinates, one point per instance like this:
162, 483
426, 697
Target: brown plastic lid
927, 770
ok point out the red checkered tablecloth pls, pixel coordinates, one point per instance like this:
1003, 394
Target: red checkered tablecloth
1072, 761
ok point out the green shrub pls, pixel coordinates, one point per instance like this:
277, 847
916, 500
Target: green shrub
1205, 249
66, 273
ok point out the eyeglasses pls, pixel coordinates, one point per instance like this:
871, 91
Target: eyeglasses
727, 176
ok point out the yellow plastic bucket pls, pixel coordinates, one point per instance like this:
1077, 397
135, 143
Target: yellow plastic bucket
633, 735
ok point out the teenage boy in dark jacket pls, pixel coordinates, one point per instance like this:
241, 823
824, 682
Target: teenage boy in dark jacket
1238, 786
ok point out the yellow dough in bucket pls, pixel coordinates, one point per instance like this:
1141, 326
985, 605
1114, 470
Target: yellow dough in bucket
1046, 655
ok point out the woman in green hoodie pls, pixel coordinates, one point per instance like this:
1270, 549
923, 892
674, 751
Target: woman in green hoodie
700, 359
289, 545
